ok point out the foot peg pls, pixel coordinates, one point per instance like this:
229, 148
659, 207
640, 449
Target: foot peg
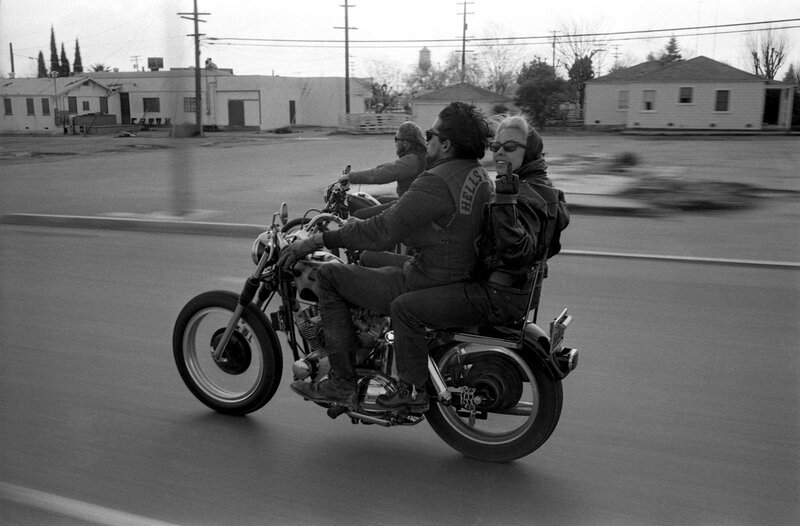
336, 411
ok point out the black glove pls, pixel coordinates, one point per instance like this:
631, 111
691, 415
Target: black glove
506, 188
508, 184
299, 249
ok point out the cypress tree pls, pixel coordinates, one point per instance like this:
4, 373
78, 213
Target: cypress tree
41, 67
77, 65
64, 69
54, 65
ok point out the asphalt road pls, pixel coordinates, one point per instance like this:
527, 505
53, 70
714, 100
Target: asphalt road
683, 409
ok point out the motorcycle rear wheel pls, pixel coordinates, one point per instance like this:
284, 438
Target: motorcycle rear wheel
517, 402
249, 371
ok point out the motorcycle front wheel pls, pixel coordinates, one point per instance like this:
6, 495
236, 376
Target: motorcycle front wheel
503, 408
246, 374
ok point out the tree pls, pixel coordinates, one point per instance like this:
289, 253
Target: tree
41, 68
54, 64
100, 67
670, 53
541, 92
767, 51
579, 73
63, 70
438, 77
500, 61
580, 39
77, 64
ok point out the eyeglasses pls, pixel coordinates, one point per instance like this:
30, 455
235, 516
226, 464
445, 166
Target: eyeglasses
508, 146
430, 133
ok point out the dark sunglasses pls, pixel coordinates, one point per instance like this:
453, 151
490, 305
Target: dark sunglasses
430, 133
508, 146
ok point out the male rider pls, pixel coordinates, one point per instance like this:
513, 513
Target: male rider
440, 214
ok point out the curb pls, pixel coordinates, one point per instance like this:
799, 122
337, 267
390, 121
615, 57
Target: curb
164, 226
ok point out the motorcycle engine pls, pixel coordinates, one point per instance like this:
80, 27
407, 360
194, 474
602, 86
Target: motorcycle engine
370, 327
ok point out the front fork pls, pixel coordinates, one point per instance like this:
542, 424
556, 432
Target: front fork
245, 298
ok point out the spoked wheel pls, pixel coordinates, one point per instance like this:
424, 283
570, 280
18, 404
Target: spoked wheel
247, 372
504, 407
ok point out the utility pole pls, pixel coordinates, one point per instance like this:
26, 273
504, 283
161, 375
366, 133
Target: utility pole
135, 59
347, 29
464, 39
554, 50
195, 16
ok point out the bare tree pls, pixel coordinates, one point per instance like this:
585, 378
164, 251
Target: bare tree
500, 60
580, 40
767, 51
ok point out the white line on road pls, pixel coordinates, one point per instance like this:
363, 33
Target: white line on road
75, 509
686, 259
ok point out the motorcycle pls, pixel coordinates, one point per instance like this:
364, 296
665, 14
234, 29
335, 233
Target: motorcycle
496, 392
339, 200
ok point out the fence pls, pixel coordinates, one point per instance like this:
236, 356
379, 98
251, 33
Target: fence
372, 122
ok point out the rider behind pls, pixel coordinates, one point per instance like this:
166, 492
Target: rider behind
522, 225
439, 214
411, 149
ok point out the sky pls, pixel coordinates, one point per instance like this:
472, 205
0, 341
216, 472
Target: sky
123, 33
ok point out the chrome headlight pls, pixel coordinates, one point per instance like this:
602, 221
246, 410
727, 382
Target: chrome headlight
263, 243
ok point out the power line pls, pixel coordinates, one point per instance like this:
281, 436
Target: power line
452, 43
507, 39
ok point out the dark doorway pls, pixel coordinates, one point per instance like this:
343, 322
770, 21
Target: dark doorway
772, 107
125, 108
292, 113
236, 112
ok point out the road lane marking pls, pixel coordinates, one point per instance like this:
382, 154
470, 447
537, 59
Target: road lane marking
74, 509
686, 259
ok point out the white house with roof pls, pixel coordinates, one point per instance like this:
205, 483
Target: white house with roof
168, 97
695, 94
426, 107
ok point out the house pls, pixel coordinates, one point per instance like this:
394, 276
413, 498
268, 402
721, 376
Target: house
45, 104
168, 97
695, 94
425, 108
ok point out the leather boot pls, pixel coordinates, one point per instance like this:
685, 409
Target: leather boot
406, 395
340, 387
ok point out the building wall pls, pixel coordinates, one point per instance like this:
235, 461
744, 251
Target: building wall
37, 122
745, 108
601, 106
424, 113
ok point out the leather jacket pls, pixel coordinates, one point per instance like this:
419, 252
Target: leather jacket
440, 215
518, 234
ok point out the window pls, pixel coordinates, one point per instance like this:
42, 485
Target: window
151, 105
29, 105
649, 98
72, 104
722, 100
86, 105
7, 106
685, 96
45, 106
622, 101
189, 104
104, 105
